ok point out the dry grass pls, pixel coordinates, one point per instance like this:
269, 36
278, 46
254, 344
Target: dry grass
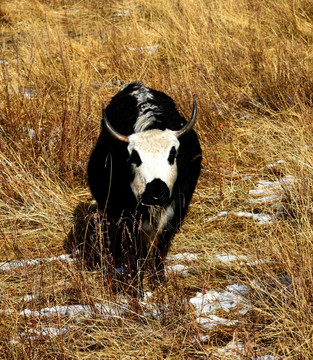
250, 65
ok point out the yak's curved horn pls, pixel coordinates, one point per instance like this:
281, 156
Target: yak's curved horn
190, 123
110, 129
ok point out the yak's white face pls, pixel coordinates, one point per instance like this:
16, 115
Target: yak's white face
152, 155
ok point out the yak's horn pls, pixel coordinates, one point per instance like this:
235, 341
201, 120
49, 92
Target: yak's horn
190, 123
110, 129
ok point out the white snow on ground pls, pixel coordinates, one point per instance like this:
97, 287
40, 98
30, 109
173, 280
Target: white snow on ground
302, 162
235, 350
205, 304
126, 12
28, 93
231, 298
211, 321
28, 297
227, 259
212, 300
77, 311
222, 213
264, 199
178, 268
208, 303
183, 256
39, 333
123, 13
45, 331
231, 349
263, 219
270, 191
274, 165
8, 265
266, 191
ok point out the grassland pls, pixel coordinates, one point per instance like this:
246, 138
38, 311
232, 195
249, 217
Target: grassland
249, 63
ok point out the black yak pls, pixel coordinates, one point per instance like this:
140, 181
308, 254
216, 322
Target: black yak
142, 172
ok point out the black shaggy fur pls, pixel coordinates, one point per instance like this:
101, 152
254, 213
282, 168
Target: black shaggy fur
109, 176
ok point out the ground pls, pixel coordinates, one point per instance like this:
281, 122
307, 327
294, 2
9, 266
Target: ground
239, 272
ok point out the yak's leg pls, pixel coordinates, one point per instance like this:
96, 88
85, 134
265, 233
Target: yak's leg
136, 272
158, 261
136, 258
159, 265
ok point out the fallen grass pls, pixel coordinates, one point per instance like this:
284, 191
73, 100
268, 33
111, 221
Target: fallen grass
249, 65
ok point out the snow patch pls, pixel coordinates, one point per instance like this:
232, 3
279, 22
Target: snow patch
266, 191
76, 311
28, 93
9, 265
28, 297
211, 321
49, 331
183, 256
126, 12
211, 301
123, 13
262, 218
227, 258
235, 350
34, 334
239, 258
270, 191
108, 311
178, 268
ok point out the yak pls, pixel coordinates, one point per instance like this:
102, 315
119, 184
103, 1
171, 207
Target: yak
142, 173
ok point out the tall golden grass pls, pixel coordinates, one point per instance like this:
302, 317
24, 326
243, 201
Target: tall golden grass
249, 63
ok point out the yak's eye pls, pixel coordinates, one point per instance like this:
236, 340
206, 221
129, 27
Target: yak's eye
172, 155
135, 158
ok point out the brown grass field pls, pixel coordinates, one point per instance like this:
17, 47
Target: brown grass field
250, 65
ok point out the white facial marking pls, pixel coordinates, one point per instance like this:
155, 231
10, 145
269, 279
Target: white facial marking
153, 147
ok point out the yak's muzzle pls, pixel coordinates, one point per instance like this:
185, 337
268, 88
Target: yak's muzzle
156, 193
